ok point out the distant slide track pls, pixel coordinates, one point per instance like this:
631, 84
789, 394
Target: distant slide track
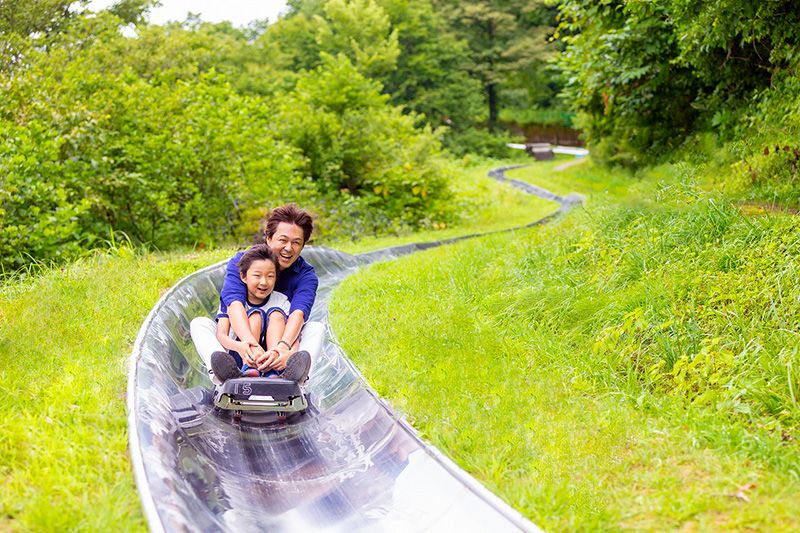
351, 464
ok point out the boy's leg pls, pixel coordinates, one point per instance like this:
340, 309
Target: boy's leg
267, 329
256, 319
276, 324
224, 366
297, 367
204, 335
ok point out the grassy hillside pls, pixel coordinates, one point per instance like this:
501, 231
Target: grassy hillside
634, 366
65, 338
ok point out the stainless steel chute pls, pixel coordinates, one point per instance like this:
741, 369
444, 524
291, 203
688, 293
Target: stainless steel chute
350, 465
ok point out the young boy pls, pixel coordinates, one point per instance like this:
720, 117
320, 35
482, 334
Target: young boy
266, 312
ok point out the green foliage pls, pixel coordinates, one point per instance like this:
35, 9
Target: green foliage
634, 99
482, 205
771, 178
173, 136
359, 29
89, 149
76, 417
405, 45
28, 23
365, 158
431, 78
480, 142
508, 48
644, 76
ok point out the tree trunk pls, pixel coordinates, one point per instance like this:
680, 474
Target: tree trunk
491, 86
491, 97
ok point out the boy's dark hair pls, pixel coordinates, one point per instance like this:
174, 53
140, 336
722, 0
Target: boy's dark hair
257, 253
293, 215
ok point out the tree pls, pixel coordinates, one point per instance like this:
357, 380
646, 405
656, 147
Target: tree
432, 77
646, 75
374, 171
404, 44
505, 38
27, 23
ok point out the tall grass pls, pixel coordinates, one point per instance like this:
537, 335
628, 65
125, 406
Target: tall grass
634, 366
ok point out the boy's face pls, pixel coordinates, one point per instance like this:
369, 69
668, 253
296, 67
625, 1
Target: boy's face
260, 280
286, 243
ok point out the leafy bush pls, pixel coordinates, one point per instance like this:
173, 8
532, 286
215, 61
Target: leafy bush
373, 171
88, 150
646, 75
479, 142
165, 150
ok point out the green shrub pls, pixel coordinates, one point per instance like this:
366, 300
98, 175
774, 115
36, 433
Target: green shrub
479, 142
89, 149
104, 134
372, 170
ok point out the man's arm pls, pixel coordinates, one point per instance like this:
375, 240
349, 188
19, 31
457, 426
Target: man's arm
233, 288
304, 294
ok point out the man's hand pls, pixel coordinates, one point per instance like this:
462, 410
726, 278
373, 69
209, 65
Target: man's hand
265, 360
274, 359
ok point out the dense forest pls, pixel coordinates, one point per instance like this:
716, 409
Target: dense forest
182, 134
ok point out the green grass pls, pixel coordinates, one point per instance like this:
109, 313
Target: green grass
484, 204
634, 366
65, 338
584, 178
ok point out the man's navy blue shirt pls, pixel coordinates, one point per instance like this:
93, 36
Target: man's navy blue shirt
298, 282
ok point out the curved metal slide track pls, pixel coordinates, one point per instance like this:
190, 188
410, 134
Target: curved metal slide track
350, 465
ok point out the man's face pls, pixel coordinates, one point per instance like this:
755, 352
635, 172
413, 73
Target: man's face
287, 243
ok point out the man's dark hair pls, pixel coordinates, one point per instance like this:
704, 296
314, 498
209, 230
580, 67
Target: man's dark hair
293, 215
257, 253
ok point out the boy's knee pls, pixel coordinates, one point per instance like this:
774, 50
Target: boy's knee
277, 315
255, 318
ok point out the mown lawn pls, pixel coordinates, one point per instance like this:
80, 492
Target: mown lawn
633, 367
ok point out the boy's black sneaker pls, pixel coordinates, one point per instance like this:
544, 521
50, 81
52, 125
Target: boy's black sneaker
224, 366
297, 367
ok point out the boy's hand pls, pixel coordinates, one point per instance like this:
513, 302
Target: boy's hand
251, 353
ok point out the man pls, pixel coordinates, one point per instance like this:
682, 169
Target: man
287, 231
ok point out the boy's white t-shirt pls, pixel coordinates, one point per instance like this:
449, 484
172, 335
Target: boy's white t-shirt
276, 300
